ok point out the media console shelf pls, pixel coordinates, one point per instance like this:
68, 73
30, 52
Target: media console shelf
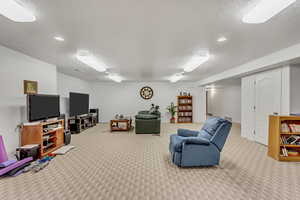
81, 123
49, 135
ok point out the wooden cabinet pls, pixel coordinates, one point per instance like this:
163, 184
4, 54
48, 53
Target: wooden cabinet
185, 109
283, 144
49, 135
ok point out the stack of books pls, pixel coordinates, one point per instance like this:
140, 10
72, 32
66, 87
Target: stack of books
289, 127
293, 139
289, 152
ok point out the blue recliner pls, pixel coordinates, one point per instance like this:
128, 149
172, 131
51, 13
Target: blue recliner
200, 148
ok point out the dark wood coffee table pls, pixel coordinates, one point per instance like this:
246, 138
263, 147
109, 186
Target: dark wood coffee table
116, 125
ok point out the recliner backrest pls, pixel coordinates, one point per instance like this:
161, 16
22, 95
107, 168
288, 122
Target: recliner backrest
221, 134
209, 127
203, 134
212, 124
216, 129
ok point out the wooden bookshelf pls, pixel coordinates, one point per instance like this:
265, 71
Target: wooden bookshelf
35, 133
276, 134
185, 109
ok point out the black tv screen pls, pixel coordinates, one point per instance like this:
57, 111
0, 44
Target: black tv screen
79, 104
41, 107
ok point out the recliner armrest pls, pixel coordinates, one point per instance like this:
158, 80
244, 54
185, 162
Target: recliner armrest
196, 140
177, 142
187, 133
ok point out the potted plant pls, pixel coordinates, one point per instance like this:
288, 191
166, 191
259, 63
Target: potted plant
172, 110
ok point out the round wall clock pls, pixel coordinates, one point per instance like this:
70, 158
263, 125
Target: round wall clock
146, 92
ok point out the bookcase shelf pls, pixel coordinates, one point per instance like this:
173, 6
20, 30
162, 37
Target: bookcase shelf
290, 145
284, 145
185, 109
296, 133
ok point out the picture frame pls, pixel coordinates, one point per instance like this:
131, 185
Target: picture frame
30, 87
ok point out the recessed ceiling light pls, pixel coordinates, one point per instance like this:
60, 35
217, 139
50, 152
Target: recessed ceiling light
196, 61
176, 77
222, 39
115, 78
15, 11
58, 38
88, 59
265, 10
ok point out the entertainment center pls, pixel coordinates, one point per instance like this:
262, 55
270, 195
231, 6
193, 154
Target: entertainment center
49, 135
46, 125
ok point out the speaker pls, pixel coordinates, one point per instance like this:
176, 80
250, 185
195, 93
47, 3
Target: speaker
95, 110
67, 137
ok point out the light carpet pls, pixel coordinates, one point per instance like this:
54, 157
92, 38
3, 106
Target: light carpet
126, 166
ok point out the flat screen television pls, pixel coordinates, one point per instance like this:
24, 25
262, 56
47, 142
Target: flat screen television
79, 104
42, 107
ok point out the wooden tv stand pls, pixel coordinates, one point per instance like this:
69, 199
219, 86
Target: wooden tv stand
37, 133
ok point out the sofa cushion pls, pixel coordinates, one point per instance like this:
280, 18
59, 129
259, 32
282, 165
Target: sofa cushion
145, 116
144, 112
155, 112
212, 124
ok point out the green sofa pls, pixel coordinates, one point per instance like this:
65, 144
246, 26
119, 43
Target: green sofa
147, 123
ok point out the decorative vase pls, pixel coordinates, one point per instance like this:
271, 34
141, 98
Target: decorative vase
172, 120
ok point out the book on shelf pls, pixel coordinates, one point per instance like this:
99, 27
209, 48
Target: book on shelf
285, 128
296, 127
292, 152
289, 152
284, 151
290, 127
292, 140
185, 101
281, 140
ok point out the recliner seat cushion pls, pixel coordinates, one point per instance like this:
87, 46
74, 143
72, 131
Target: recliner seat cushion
212, 124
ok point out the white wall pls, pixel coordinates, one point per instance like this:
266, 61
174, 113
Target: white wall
295, 89
14, 68
124, 98
225, 102
268, 62
67, 84
285, 90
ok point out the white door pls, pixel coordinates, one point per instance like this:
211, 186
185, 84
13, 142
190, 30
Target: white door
248, 103
267, 102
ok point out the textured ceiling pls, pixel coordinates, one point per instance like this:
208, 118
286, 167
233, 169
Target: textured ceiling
148, 40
